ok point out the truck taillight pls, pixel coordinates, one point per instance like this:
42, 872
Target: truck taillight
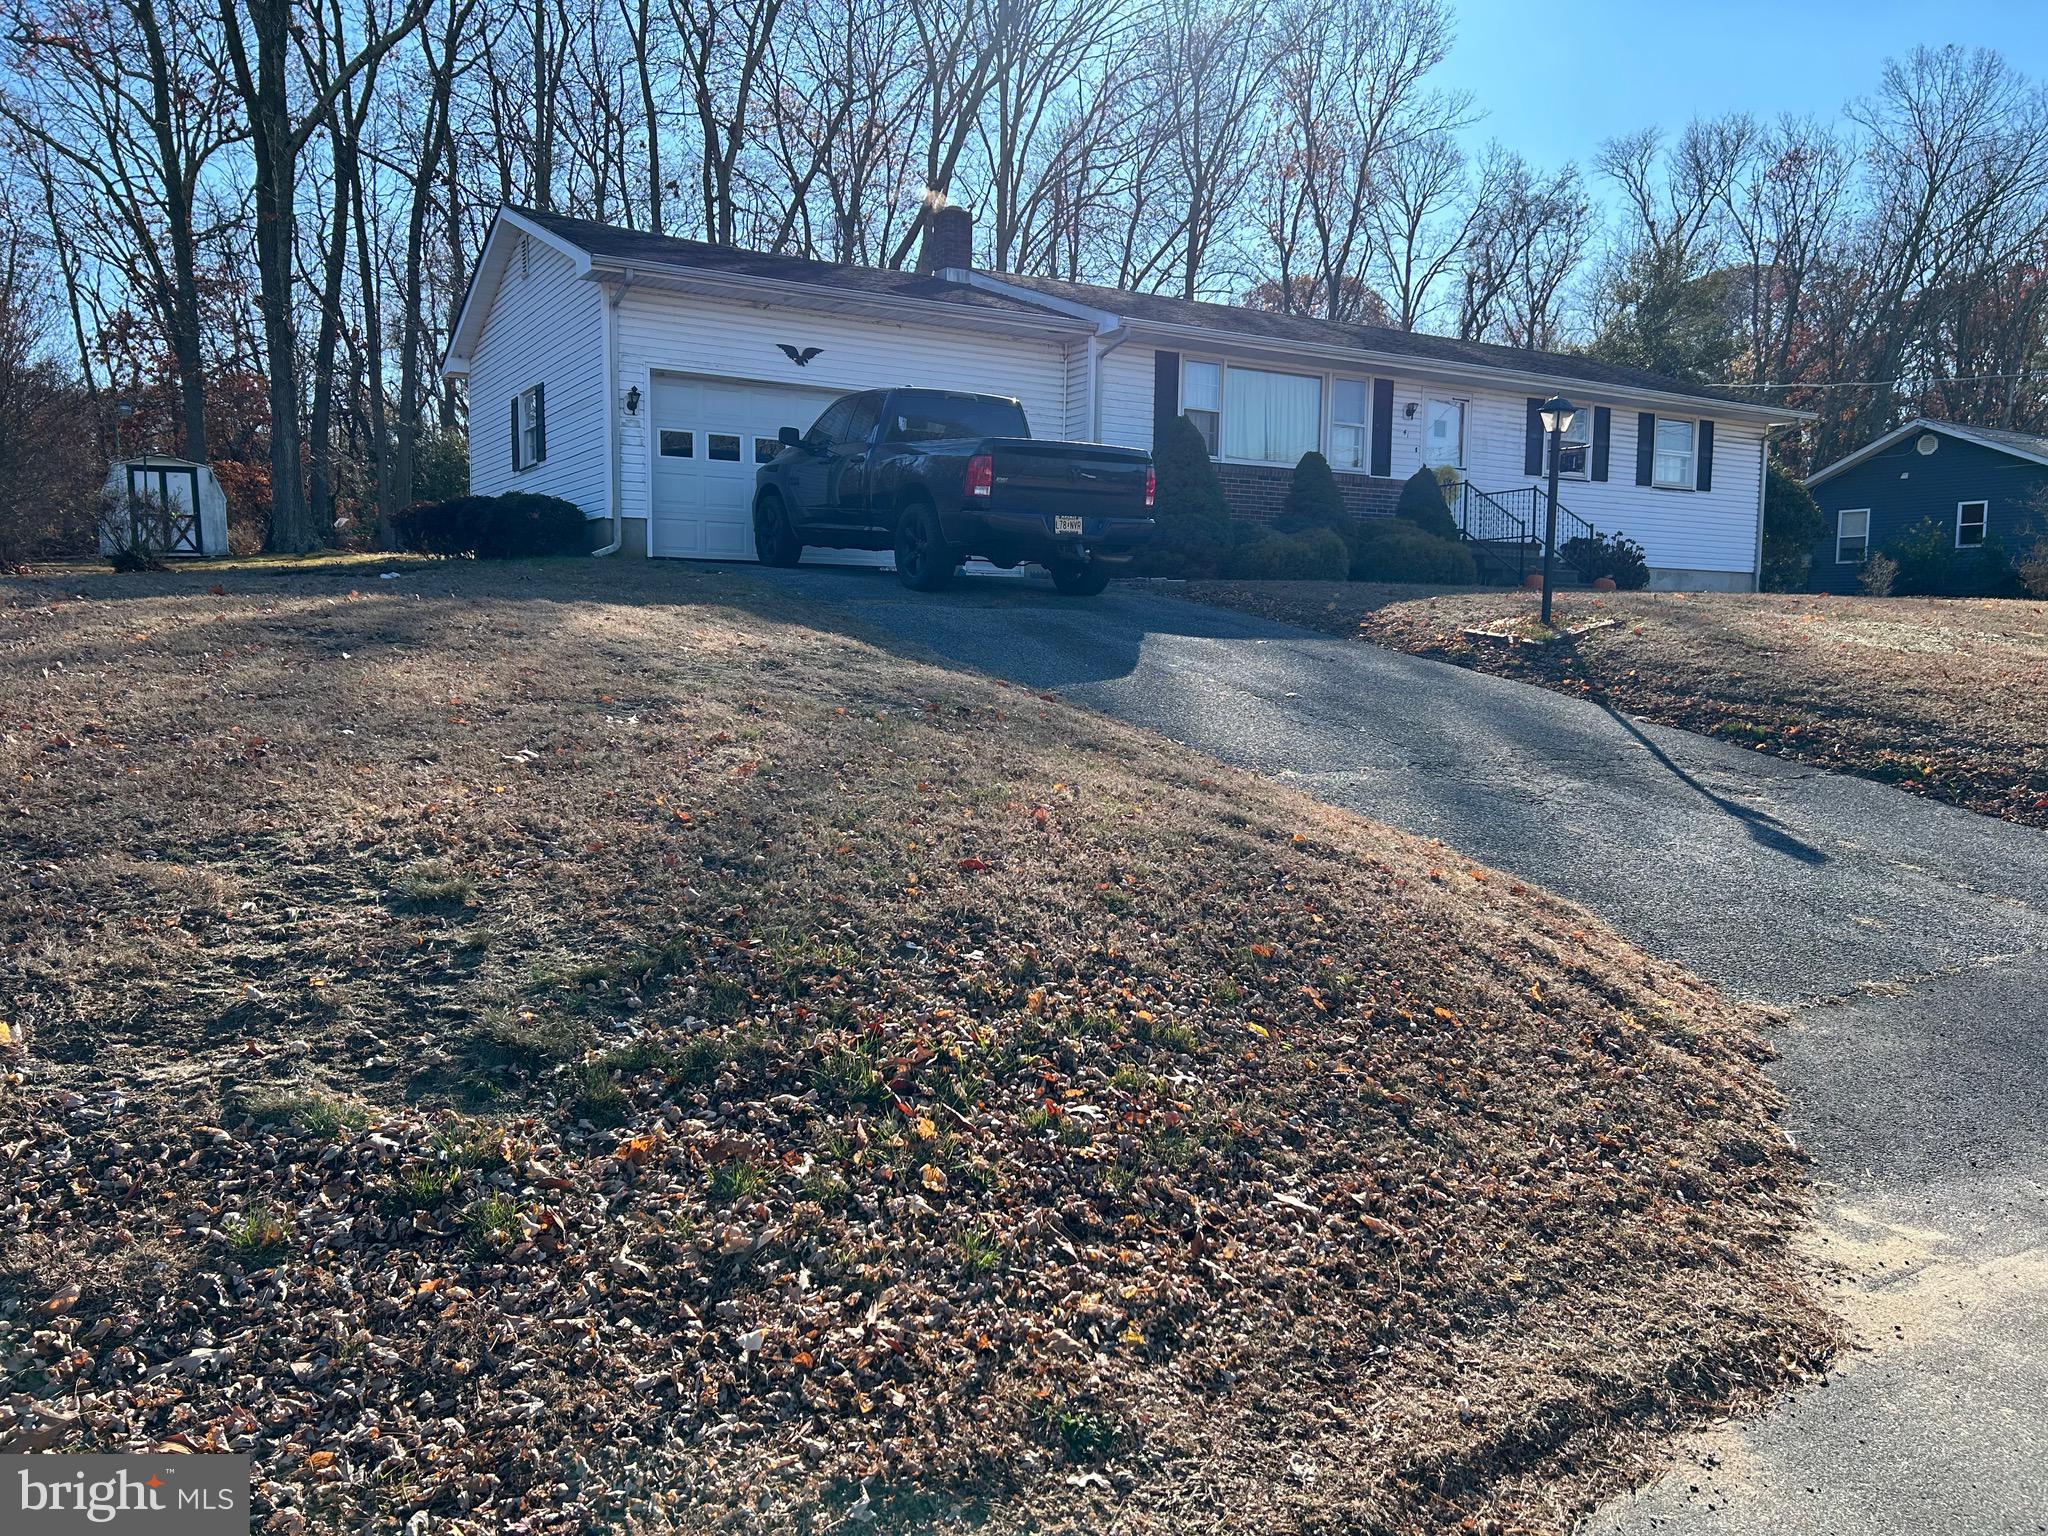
981, 475
1151, 484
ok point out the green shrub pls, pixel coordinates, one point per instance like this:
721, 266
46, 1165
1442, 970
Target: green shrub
1793, 523
1317, 555
1313, 500
1930, 565
1392, 549
1616, 556
1192, 520
1422, 503
505, 527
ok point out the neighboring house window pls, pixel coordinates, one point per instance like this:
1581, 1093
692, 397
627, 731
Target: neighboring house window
1575, 445
1201, 401
1970, 524
1444, 435
1852, 536
530, 428
1347, 424
1672, 467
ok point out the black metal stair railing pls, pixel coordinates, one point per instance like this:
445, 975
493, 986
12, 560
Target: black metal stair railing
1506, 529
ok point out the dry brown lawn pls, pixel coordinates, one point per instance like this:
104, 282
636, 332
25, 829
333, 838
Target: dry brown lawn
584, 1046
1944, 697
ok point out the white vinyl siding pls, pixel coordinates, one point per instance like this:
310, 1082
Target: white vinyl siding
1852, 536
544, 325
689, 335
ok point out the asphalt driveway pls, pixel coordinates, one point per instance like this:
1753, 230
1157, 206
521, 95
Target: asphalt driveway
1910, 938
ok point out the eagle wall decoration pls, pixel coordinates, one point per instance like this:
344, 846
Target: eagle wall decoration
801, 359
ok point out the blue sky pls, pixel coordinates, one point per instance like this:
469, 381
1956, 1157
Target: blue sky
1555, 92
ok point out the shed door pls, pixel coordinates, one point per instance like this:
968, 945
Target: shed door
709, 437
163, 505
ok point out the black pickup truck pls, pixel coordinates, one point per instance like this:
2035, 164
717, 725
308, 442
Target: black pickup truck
939, 476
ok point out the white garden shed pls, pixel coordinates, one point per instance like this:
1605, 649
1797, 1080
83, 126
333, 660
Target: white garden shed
167, 506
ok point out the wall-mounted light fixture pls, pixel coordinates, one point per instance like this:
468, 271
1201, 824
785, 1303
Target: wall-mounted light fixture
633, 401
1408, 411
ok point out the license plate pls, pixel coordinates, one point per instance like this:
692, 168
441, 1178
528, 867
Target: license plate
1066, 525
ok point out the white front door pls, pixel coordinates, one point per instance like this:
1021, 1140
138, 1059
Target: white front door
710, 435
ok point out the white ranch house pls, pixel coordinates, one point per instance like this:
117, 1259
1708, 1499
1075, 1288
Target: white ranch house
643, 378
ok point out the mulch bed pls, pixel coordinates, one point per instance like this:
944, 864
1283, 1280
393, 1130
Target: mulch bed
569, 1047
1946, 698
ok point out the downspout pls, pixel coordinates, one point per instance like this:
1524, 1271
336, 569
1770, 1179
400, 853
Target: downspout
1108, 336
612, 296
1763, 495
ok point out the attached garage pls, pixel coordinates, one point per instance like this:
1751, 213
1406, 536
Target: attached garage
707, 436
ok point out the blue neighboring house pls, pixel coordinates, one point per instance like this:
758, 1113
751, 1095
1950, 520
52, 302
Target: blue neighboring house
1986, 488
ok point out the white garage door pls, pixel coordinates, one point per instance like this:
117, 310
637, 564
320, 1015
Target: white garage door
709, 437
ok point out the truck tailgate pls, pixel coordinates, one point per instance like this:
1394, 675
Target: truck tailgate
1088, 479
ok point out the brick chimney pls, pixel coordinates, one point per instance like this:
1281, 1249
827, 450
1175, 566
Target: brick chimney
948, 239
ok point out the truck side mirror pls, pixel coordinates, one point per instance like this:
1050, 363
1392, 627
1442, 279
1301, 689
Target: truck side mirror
789, 437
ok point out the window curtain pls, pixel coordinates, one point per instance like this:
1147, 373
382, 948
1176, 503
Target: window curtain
1271, 418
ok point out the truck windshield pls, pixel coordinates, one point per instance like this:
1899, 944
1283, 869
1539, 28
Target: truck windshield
931, 418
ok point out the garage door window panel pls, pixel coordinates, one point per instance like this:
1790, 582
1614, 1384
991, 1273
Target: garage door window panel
678, 445
722, 447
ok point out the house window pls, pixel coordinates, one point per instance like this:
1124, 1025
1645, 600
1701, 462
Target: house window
1672, 465
1443, 442
1970, 524
677, 445
1852, 537
1201, 401
1347, 424
1575, 445
1271, 418
530, 435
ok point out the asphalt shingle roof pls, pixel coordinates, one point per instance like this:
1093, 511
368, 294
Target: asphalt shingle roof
606, 240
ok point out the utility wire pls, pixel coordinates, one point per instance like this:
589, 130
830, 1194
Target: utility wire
1952, 378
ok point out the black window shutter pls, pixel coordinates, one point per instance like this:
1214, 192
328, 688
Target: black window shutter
515, 434
1382, 427
1703, 474
540, 422
1646, 445
1603, 438
1165, 394
1532, 439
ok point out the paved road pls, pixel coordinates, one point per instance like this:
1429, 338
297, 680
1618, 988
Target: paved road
1910, 938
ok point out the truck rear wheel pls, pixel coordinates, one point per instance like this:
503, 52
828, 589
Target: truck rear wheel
923, 561
1079, 578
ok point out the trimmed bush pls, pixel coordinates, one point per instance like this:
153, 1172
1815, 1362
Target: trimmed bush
1313, 500
1617, 557
1320, 554
1192, 535
507, 527
1393, 549
1422, 503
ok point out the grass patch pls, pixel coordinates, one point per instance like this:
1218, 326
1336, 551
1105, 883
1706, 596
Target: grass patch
258, 1237
321, 1116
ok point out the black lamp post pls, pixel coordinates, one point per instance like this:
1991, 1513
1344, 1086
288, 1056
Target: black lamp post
1556, 413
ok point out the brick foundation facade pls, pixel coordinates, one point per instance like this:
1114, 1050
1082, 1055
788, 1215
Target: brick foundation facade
1257, 492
